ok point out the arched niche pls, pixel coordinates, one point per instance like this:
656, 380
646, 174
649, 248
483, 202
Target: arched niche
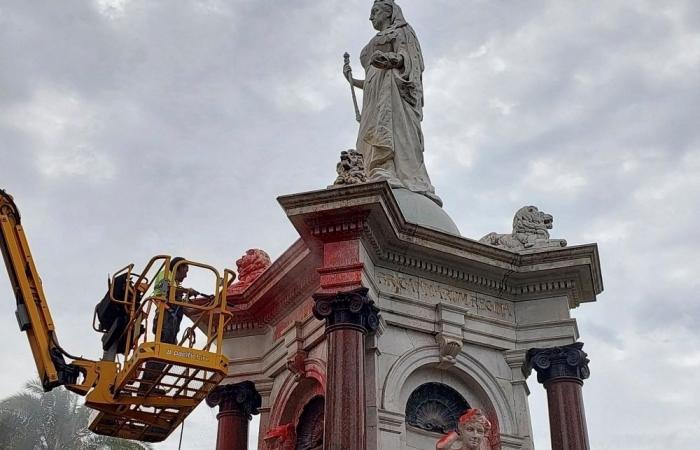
468, 377
296, 392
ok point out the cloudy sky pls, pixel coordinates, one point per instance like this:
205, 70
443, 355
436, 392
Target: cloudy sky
130, 128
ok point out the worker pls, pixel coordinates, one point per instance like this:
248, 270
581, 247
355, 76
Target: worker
113, 316
172, 315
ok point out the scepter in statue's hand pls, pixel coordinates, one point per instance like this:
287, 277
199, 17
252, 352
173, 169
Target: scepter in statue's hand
347, 71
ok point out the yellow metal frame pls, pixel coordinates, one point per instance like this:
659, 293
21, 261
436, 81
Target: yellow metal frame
127, 404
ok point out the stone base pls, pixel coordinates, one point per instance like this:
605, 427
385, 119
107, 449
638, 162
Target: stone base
419, 209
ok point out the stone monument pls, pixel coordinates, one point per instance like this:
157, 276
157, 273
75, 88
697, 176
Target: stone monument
382, 327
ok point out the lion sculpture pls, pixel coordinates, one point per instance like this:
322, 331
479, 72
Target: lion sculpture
351, 168
250, 267
530, 231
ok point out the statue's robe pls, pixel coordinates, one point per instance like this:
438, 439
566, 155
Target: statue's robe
390, 137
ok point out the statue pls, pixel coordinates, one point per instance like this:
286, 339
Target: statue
530, 227
473, 427
390, 137
250, 267
350, 169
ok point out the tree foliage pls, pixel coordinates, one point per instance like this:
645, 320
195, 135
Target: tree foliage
36, 420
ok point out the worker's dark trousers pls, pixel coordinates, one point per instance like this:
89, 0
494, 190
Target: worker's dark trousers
171, 326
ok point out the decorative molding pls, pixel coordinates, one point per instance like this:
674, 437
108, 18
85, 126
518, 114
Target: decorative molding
513, 272
347, 310
502, 287
297, 364
390, 421
450, 347
466, 365
449, 326
339, 227
241, 398
556, 363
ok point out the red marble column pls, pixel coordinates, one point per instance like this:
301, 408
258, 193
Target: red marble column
237, 403
562, 370
349, 316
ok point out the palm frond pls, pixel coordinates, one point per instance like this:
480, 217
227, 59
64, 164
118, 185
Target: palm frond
36, 420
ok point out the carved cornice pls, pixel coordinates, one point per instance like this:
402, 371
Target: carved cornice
240, 398
347, 310
352, 225
557, 363
506, 287
571, 271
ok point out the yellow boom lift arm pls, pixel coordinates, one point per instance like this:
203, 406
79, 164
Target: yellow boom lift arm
159, 383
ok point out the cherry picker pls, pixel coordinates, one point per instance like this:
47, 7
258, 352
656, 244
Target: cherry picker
130, 399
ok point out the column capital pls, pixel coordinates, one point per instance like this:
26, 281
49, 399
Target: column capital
555, 363
239, 398
347, 310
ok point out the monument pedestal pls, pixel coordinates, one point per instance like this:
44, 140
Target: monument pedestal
457, 318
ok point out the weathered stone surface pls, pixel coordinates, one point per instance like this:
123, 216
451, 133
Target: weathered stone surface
347, 310
250, 267
473, 426
390, 136
242, 397
569, 361
350, 169
454, 311
562, 370
530, 232
237, 403
420, 210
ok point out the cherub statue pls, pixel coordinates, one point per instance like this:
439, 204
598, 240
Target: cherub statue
472, 427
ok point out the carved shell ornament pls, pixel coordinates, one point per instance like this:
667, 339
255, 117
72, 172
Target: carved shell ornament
310, 428
435, 407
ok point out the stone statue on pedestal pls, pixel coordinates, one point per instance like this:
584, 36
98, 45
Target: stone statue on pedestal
530, 232
390, 137
473, 428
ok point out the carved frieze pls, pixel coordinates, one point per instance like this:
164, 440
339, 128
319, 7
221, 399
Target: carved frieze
432, 292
